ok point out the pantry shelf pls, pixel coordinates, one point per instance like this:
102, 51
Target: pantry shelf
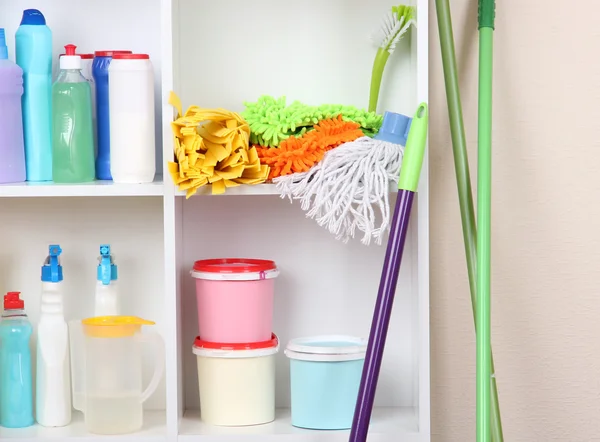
154, 430
257, 189
387, 423
95, 188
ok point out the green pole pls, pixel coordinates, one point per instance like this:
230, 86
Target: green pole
484, 198
463, 179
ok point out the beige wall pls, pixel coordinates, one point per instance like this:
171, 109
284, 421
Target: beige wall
546, 234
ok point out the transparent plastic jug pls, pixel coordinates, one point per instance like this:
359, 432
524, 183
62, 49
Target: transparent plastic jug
107, 371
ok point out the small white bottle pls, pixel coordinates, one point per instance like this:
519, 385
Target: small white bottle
53, 376
107, 295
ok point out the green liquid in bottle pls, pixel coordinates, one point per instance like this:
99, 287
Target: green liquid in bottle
72, 133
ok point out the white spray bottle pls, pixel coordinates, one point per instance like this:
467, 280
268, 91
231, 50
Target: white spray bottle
107, 296
53, 377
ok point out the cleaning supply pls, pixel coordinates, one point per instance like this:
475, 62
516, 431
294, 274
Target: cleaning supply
235, 299
394, 26
99, 72
463, 181
344, 190
107, 385
212, 147
53, 375
107, 295
302, 153
34, 56
12, 151
272, 121
236, 382
484, 219
73, 134
324, 378
16, 395
407, 187
131, 115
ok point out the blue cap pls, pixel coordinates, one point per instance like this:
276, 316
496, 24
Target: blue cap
3, 47
394, 129
107, 270
52, 270
33, 17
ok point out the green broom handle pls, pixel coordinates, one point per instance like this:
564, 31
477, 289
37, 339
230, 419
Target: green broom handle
463, 178
484, 197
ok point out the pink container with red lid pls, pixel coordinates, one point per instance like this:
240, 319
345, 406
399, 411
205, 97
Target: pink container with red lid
235, 299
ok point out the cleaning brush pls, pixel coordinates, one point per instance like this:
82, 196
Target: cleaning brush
394, 26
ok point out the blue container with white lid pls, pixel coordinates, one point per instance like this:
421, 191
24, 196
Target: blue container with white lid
325, 374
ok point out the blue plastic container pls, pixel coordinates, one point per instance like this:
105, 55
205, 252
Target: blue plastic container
325, 376
34, 56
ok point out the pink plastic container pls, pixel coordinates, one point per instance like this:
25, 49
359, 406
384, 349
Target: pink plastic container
235, 299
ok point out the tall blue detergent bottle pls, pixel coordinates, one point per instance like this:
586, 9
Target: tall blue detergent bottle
16, 393
34, 56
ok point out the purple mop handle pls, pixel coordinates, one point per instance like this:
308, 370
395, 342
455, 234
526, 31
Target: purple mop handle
381, 317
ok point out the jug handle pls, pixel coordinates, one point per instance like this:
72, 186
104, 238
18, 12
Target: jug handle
159, 362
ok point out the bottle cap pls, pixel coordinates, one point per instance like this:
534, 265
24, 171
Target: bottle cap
52, 270
33, 17
3, 47
70, 60
107, 269
13, 302
394, 129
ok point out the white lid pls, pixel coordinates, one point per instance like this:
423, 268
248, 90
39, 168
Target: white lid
70, 62
327, 348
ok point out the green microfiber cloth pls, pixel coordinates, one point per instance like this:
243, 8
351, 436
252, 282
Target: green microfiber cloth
272, 121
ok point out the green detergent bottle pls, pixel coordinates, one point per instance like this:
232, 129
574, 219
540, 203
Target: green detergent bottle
73, 134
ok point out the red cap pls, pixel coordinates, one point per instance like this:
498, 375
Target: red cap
70, 49
131, 57
86, 56
234, 265
13, 302
273, 342
110, 53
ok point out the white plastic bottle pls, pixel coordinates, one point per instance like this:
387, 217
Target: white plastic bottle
131, 109
107, 295
53, 376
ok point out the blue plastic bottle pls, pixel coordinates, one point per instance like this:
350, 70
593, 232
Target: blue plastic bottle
34, 56
16, 394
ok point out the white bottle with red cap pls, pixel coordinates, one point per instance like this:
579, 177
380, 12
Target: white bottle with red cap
131, 109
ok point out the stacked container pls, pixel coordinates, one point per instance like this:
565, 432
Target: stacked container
236, 347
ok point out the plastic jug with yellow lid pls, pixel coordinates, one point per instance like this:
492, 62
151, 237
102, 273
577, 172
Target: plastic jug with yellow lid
107, 371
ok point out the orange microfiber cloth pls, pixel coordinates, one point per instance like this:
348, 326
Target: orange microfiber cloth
300, 154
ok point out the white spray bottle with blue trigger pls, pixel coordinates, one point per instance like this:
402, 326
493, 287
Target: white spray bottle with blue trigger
53, 376
107, 296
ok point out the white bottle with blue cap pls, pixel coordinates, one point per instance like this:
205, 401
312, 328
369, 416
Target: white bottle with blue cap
107, 296
53, 376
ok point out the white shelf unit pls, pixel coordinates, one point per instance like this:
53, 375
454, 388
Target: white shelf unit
220, 54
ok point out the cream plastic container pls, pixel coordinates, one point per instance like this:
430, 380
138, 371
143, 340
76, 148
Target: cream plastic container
236, 382
131, 110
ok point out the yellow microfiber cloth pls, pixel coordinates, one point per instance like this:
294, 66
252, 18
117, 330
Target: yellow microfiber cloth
212, 147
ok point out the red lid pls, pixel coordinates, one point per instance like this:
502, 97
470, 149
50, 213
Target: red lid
131, 56
110, 53
13, 302
273, 342
70, 49
234, 265
86, 56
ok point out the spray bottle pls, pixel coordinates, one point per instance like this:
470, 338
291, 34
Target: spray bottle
53, 377
107, 299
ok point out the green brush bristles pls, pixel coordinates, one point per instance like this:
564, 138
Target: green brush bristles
271, 121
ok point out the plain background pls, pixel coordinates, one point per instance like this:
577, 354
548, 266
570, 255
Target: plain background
546, 234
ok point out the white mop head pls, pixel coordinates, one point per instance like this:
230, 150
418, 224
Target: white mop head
345, 189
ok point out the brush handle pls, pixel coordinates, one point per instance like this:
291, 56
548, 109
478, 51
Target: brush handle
378, 66
487, 13
414, 151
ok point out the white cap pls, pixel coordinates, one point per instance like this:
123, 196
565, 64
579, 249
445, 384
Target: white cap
70, 60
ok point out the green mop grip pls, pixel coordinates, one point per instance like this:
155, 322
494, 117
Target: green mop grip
487, 13
414, 151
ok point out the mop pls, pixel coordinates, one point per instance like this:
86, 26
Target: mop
407, 187
343, 190
463, 180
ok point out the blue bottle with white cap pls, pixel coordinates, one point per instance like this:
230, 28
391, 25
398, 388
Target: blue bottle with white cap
107, 296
